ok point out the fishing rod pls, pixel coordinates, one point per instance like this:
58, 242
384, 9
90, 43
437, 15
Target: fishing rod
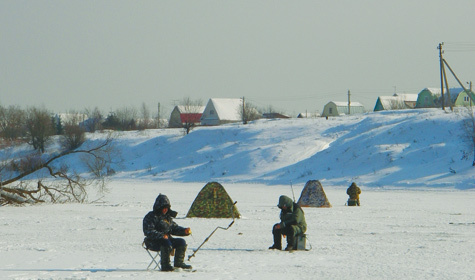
293, 195
207, 238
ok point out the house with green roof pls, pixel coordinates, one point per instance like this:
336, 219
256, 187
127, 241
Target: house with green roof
432, 98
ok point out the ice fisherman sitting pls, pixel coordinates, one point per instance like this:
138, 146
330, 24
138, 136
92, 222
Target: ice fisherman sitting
292, 223
158, 228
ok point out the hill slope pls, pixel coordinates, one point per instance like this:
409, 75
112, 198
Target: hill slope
413, 148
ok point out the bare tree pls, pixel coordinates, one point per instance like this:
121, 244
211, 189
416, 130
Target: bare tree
99, 165
73, 134
127, 117
12, 122
94, 119
145, 121
57, 184
269, 109
39, 127
124, 119
249, 112
157, 122
190, 113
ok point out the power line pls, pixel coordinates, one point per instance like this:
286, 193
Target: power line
459, 47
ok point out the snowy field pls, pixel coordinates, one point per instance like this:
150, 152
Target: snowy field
395, 234
417, 219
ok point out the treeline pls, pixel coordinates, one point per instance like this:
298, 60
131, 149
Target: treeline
36, 125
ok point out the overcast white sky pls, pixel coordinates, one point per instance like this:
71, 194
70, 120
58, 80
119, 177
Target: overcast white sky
292, 55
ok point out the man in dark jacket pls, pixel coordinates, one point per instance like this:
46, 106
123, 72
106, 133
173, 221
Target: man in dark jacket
292, 223
354, 192
158, 228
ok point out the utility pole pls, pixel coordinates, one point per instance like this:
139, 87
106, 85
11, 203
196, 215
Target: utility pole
470, 91
158, 116
349, 103
441, 73
449, 100
244, 121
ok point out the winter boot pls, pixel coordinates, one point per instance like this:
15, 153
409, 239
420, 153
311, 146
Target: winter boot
277, 241
290, 240
165, 258
180, 257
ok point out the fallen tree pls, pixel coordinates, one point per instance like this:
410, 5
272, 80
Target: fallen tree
57, 185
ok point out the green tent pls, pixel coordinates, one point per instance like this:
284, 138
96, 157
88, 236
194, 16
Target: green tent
213, 202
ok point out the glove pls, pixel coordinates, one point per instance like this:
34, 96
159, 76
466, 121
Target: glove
187, 231
165, 236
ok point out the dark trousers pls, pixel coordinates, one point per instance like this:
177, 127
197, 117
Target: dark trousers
165, 247
173, 242
288, 231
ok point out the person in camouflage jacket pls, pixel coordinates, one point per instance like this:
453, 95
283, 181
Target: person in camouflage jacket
158, 228
354, 192
292, 223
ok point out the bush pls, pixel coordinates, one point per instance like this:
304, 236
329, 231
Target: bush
73, 137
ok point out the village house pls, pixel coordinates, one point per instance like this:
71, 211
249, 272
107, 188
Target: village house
183, 114
335, 108
397, 101
222, 110
432, 98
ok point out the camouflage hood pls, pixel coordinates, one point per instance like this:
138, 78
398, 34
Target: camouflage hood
161, 201
286, 201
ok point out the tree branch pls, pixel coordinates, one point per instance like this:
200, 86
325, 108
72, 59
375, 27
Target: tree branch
71, 187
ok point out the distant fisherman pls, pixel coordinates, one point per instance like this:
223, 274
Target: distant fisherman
292, 223
354, 192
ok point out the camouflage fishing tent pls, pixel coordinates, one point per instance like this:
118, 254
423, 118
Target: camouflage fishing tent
213, 202
313, 195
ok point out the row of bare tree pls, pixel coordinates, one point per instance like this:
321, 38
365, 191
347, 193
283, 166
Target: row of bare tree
16, 123
36, 175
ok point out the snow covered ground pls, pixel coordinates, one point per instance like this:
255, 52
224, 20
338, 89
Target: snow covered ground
417, 219
395, 234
